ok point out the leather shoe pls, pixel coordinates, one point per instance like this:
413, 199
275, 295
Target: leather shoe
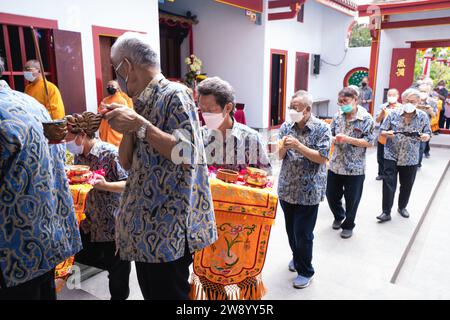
404, 213
384, 217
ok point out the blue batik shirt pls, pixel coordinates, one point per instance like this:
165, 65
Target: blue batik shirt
166, 205
101, 206
242, 147
347, 159
301, 180
38, 227
404, 149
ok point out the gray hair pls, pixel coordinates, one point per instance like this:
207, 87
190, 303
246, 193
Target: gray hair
304, 96
2, 66
410, 92
136, 48
221, 90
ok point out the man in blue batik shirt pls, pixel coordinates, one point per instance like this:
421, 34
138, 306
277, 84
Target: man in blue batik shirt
304, 148
353, 132
166, 212
38, 227
405, 128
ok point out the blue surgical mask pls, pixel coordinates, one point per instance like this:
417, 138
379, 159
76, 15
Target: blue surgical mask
74, 148
347, 108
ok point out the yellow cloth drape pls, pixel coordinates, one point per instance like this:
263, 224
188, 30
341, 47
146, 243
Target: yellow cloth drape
231, 267
434, 122
55, 105
79, 195
107, 134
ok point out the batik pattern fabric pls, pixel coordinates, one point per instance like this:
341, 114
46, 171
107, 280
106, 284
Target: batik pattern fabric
38, 227
301, 180
102, 206
347, 159
165, 203
403, 149
241, 147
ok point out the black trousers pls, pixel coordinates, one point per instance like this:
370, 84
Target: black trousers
102, 255
349, 187
442, 116
300, 222
424, 149
165, 281
40, 288
407, 176
380, 158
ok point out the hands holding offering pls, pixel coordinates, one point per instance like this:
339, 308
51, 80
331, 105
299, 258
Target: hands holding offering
121, 118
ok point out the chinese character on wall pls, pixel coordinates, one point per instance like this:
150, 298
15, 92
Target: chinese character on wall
401, 67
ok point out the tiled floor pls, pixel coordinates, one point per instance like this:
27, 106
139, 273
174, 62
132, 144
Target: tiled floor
360, 267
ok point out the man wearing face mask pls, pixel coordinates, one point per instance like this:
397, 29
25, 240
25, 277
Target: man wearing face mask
98, 229
166, 212
429, 106
352, 129
365, 94
381, 114
108, 134
53, 102
304, 148
228, 144
404, 129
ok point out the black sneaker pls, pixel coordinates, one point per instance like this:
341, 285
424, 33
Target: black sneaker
337, 224
404, 213
346, 234
384, 217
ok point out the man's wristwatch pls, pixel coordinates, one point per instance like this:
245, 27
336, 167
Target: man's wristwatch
141, 133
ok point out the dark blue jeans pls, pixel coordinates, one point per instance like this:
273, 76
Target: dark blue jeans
349, 187
300, 222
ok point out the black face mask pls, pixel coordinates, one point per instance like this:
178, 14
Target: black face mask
364, 84
111, 90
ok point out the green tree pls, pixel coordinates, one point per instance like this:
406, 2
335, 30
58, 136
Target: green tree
360, 36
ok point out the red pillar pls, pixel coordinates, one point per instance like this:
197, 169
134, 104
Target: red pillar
373, 68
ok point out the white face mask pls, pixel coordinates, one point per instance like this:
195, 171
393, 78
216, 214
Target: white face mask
74, 148
213, 120
392, 99
28, 75
295, 115
409, 108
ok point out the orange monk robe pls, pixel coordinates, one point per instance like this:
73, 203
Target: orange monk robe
55, 105
107, 134
126, 97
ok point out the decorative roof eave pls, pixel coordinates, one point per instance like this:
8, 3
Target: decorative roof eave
401, 7
173, 19
345, 6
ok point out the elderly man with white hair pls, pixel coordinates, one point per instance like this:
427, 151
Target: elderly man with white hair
304, 148
404, 129
166, 211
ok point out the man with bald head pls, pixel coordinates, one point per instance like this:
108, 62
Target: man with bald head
51, 100
107, 133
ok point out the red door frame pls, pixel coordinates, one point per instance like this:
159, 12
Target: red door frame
98, 31
285, 54
21, 21
297, 55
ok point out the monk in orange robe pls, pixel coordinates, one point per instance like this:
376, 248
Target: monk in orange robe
53, 102
107, 134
